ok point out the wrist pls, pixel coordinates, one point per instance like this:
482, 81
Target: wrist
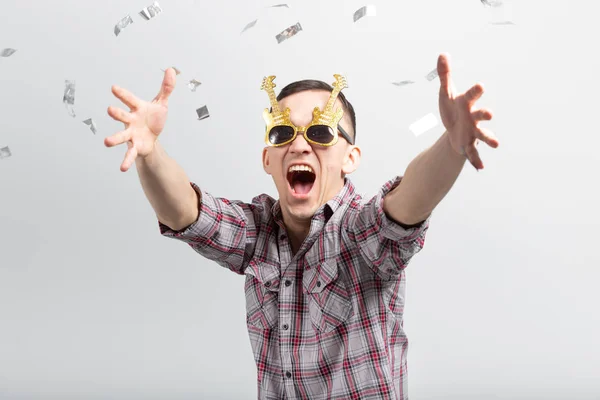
460, 153
152, 156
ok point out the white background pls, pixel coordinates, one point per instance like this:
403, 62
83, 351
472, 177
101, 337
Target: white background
502, 303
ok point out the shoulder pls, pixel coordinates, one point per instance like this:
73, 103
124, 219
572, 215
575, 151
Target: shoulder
358, 202
263, 201
263, 206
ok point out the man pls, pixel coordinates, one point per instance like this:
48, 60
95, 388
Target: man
324, 270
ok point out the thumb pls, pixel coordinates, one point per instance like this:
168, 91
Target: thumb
168, 84
443, 68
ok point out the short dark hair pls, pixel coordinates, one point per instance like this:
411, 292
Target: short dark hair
312, 84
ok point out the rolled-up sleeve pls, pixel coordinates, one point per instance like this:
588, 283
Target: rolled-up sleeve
225, 231
386, 245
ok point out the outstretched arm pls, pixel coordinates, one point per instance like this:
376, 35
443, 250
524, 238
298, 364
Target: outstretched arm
165, 184
429, 177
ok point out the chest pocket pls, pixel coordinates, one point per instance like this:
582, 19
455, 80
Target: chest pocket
328, 297
262, 295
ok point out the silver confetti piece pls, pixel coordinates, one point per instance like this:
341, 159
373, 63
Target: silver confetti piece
365, 11
288, 33
70, 110
5, 152
151, 11
7, 52
491, 3
250, 25
423, 124
432, 75
279, 5
193, 85
69, 97
500, 12
90, 122
202, 113
403, 83
122, 24
177, 72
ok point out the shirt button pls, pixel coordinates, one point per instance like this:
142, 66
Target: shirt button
285, 327
318, 283
288, 374
282, 237
288, 282
267, 283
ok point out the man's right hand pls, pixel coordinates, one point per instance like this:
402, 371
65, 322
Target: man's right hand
144, 121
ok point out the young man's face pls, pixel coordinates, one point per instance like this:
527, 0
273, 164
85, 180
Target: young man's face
329, 164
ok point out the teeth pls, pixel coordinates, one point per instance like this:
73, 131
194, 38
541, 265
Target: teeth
300, 168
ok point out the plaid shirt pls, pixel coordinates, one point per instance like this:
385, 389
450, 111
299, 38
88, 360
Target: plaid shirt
326, 322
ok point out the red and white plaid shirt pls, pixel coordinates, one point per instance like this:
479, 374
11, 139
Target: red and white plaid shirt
325, 323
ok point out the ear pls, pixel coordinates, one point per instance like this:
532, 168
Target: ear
351, 160
265, 160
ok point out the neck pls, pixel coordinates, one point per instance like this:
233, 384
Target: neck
297, 231
298, 228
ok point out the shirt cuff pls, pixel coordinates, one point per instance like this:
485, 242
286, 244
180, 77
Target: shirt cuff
390, 228
203, 227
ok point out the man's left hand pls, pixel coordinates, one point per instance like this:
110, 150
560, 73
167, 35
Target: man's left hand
460, 119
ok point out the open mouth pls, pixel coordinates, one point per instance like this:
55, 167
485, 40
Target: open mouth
301, 182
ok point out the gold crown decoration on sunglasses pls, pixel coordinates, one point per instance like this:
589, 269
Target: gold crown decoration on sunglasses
328, 117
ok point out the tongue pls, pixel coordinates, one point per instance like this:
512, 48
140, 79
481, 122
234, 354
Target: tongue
302, 187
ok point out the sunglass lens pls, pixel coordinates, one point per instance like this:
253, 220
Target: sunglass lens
320, 134
280, 134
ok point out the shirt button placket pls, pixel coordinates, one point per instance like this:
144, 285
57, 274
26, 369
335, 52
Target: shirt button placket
285, 343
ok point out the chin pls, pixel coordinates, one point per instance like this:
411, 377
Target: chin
303, 212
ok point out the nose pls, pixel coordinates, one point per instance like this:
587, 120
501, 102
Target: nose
300, 144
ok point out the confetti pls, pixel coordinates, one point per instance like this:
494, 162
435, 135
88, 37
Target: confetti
69, 97
151, 11
177, 72
424, 124
365, 11
194, 84
202, 113
500, 12
250, 25
403, 83
432, 75
5, 152
288, 33
122, 24
491, 3
91, 124
7, 52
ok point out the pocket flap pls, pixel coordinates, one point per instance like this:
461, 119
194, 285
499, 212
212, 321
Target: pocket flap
267, 274
319, 275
